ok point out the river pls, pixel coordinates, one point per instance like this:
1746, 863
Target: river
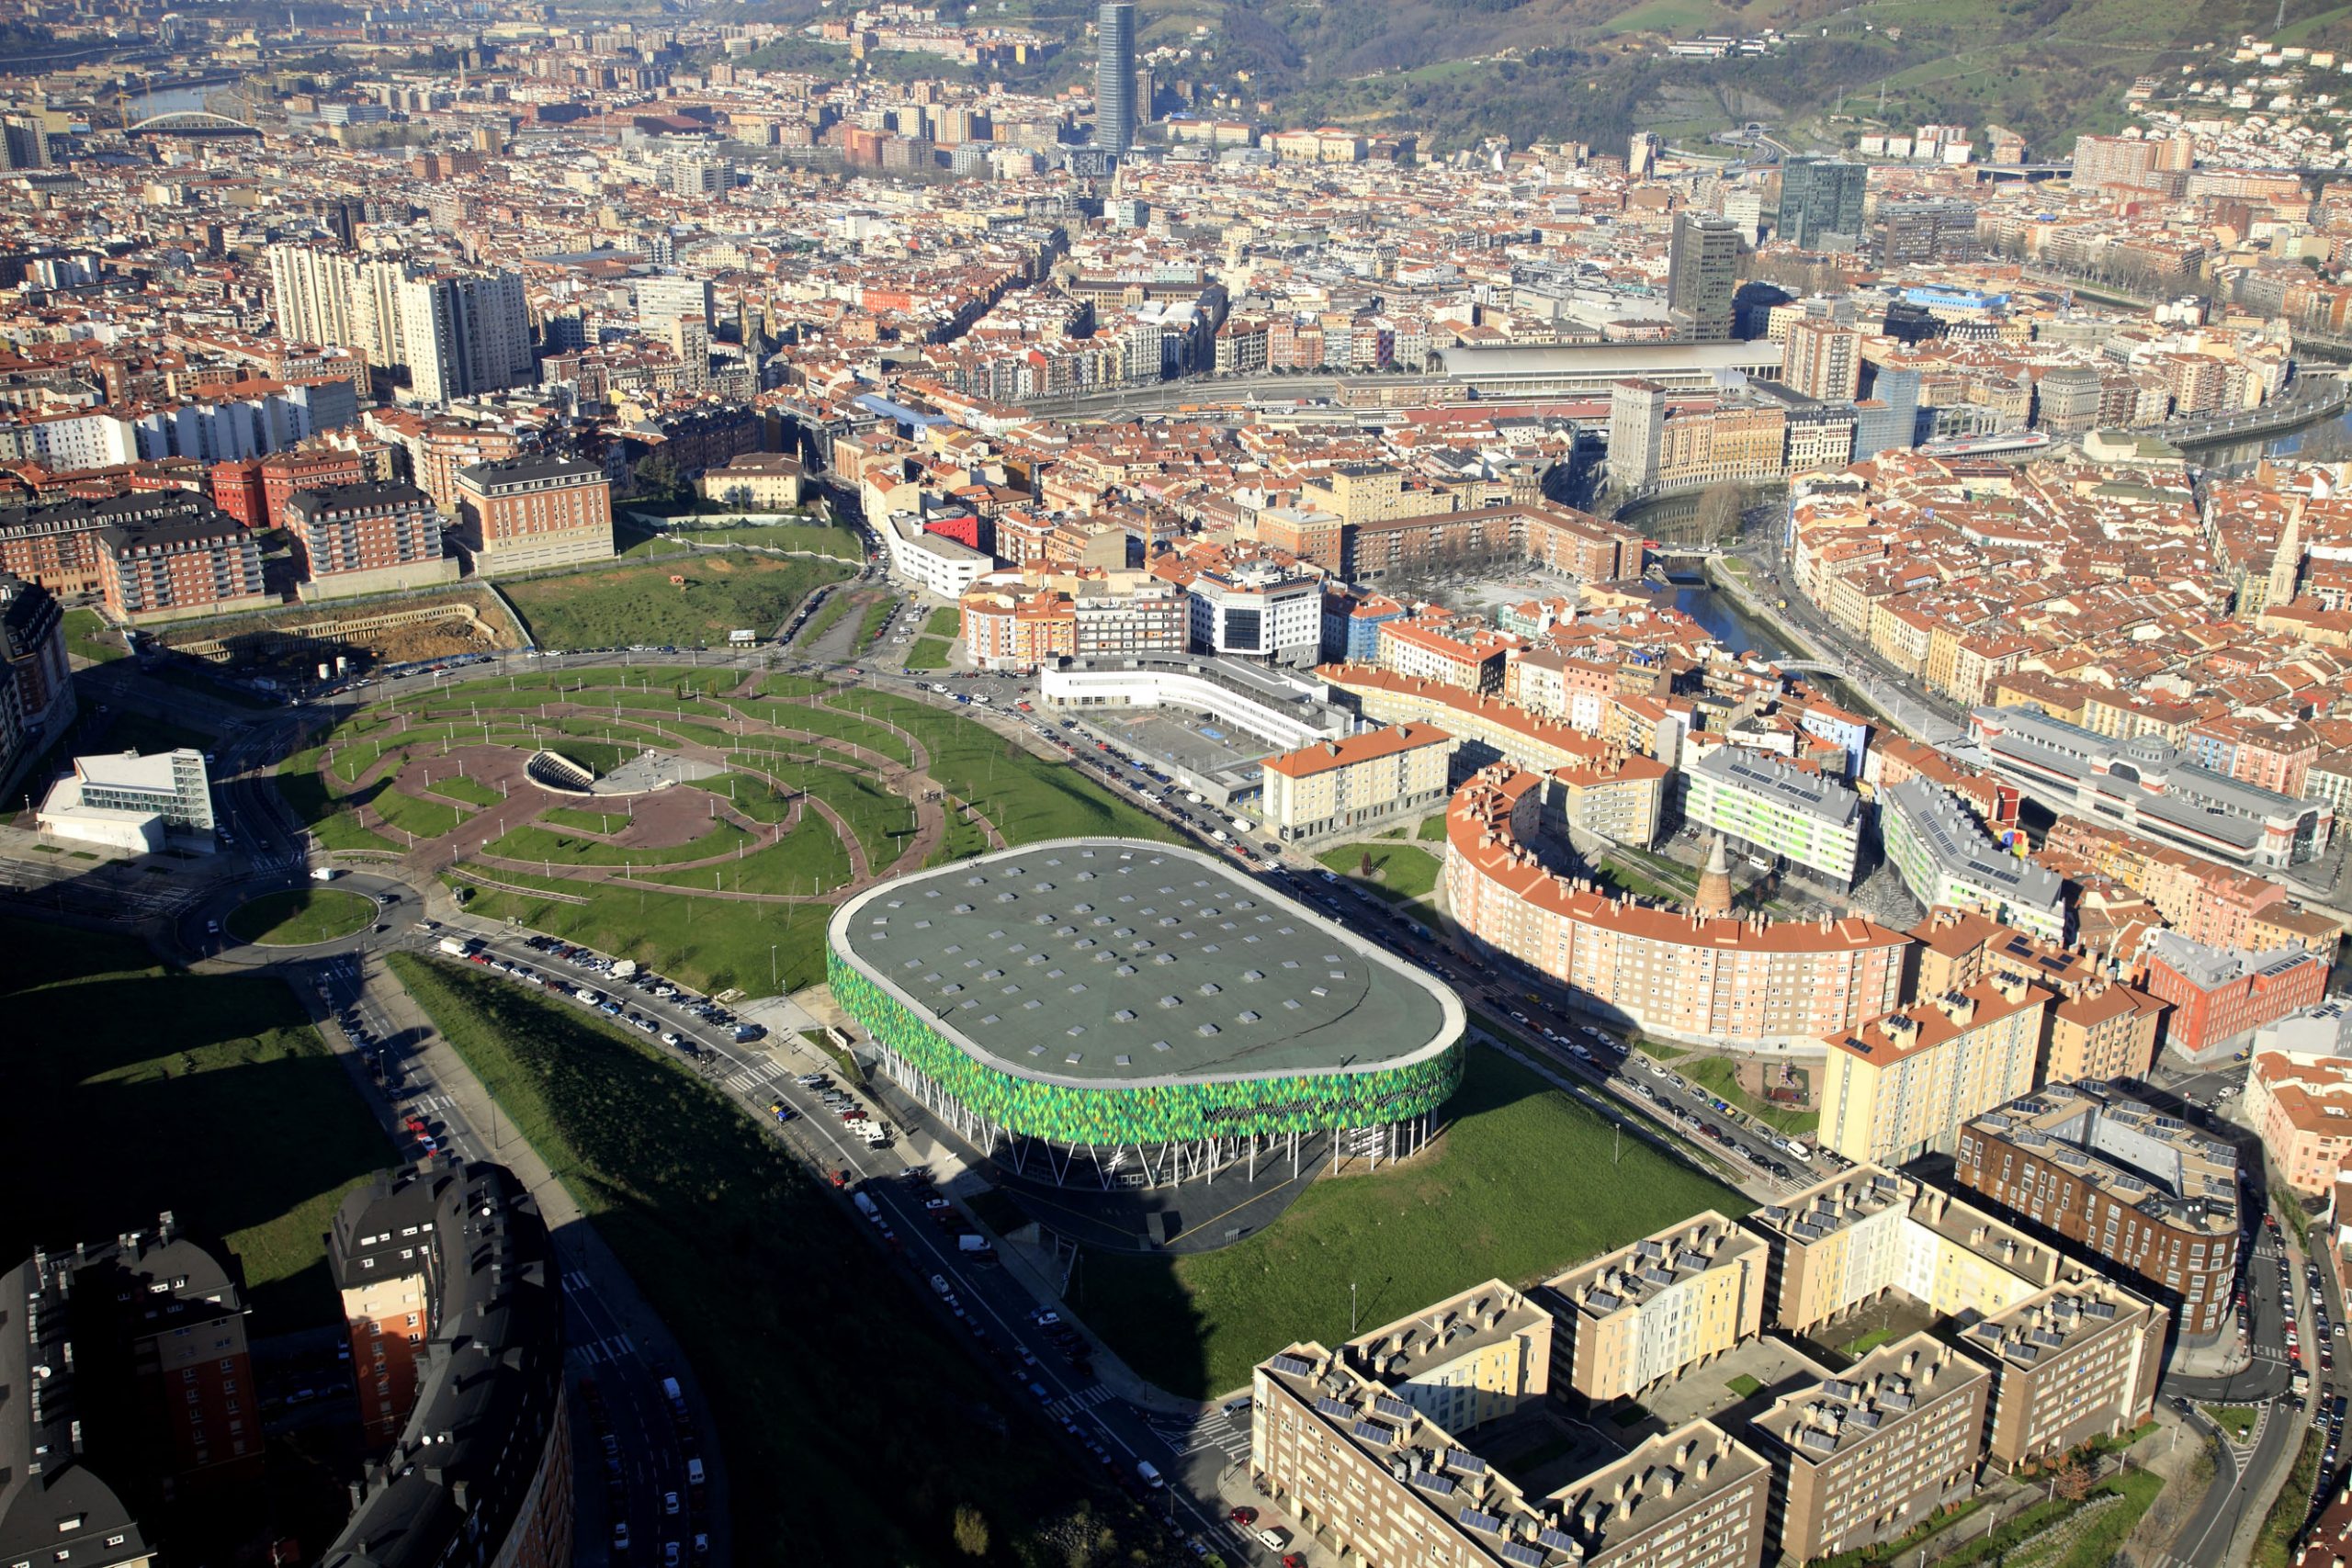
171, 100
1715, 610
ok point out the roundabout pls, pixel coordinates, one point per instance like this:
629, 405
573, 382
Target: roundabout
300, 917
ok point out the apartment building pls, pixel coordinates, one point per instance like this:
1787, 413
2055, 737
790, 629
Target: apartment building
1771, 807
1470, 656
37, 699
1370, 1475
1821, 359
199, 564
2118, 1182
1673, 975
524, 513
456, 1324
1474, 1357
2096, 1027
1257, 609
1902, 1085
1646, 1313
1618, 797
1376, 776
366, 539
2300, 1106
1874, 1450
130, 1383
1946, 858
2219, 996
2078, 1361
1844, 1242
1693, 1495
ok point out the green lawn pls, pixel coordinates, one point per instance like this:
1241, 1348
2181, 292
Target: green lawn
1743, 1385
709, 943
1523, 1186
622, 607
875, 814
809, 539
141, 1089
810, 860
414, 814
840, 723
1433, 830
876, 615
926, 653
1399, 872
84, 631
532, 842
1720, 1076
747, 794
1027, 796
465, 791
1864, 1344
2237, 1420
948, 621
2274, 1545
599, 757
789, 686
326, 814
741, 1253
301, 916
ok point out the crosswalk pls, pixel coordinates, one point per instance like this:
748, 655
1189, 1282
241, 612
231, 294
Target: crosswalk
752, 1075
1086, 1398
1216, 1433
596, 1352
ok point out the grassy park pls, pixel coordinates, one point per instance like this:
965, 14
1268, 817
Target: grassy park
1524, 1182
741, 1253
1399, 872
632, 605
187, 1070
87, 634
301, 916
927, 653
947, 622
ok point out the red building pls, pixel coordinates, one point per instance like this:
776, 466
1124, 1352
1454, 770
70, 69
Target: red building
2219, 996
965, 530
237, 490
288, 472
197, 563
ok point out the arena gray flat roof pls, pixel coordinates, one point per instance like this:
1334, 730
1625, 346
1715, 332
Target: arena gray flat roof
1113, 963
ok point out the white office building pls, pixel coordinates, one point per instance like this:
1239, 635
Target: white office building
129, 802
1258, 611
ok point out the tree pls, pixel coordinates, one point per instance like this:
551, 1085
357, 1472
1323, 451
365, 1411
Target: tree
971, 1531
1718, 512
659, 481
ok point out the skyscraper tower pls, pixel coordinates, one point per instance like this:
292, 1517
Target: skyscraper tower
1702, 274
1115, 76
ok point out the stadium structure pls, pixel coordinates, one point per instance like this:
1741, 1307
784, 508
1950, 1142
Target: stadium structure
1137, 1014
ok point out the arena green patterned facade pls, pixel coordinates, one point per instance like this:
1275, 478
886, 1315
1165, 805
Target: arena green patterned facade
1094, 992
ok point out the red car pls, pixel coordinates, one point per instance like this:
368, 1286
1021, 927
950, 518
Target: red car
1293, 1559
1243, 1515
416, 1124
842, 1178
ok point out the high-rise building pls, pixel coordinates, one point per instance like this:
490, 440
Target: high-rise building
465, 336
1821, 359
1642, 152
1900, 1086
36, 683
339, 301
1115, 76
366, 539
1822, 197
24, 142
1702, 274
1636, 425
662, 300
1889, 418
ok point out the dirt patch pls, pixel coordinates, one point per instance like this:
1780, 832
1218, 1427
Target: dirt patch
467, 620
1777, 1083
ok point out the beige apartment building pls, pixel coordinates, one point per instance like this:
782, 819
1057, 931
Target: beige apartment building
1635, 1318
1372, 1478
1694, 1497
1471, 1358
1845, 1242
1900, 1086
1872, 1452
1338, 786
2074, 1362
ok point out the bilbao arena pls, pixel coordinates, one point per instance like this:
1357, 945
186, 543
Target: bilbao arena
1112, 1011
1740, 980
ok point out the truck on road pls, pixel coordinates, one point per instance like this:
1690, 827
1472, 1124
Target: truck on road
323, 873
453, 947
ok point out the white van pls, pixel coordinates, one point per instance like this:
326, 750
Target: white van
1150, 1473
